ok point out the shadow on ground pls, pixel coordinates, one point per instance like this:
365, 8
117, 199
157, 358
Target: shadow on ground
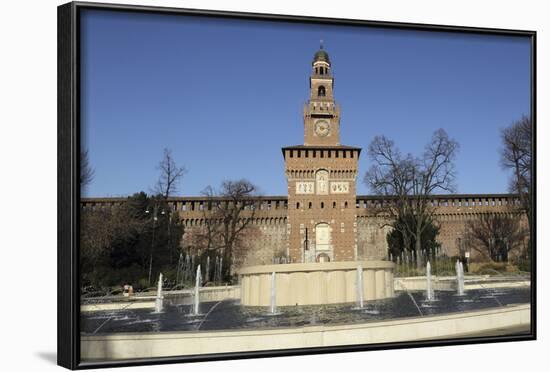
48, 356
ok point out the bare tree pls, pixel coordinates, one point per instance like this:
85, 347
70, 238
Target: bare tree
86, 171
496, 235
516, 155
407, 182
391, 176
228, 215
170, 175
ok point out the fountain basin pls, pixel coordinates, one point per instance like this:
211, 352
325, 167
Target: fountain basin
315, 283
476, 323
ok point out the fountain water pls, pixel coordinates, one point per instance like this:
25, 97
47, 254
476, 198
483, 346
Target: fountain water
360, 302
459, 277
188, 268
196, 299
218, 269
179, 270
159, 300
404, 287
429, 289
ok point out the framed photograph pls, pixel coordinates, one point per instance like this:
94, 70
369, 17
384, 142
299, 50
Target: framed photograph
236, 185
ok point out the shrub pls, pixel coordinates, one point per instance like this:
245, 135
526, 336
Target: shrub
491, 268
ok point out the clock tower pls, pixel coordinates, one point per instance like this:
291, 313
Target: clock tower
321, 176
321, 114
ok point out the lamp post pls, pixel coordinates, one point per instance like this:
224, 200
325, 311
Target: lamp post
305, 246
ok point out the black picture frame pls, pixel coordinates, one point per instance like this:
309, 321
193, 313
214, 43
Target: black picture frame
68, 335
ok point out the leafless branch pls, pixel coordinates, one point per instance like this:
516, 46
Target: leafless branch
496, 235
86, 171
170, 175
408, 181
516, 155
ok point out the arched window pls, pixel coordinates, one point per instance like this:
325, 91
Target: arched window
321, 91
297, 205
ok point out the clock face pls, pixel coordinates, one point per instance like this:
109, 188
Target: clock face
322, 128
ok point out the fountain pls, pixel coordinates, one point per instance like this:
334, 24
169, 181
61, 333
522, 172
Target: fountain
459, 277
360, 302
318, 283
429, 289
196, 299
159, 298
340, 285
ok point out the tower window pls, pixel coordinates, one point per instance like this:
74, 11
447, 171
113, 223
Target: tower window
322, 205
309, 205
297, 205
321, 91
333, 204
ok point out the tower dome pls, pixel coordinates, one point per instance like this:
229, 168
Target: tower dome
321, 55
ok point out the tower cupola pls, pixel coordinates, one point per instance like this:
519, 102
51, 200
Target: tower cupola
321, 62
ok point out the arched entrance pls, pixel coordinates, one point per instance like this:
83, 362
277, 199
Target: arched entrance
323, 257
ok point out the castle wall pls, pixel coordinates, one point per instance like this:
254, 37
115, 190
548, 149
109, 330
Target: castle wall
268, 235
452, 212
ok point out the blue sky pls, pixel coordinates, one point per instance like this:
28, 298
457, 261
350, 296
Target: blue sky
226, 95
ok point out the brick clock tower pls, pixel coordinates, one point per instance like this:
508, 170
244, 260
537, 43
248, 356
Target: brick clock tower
321, 177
